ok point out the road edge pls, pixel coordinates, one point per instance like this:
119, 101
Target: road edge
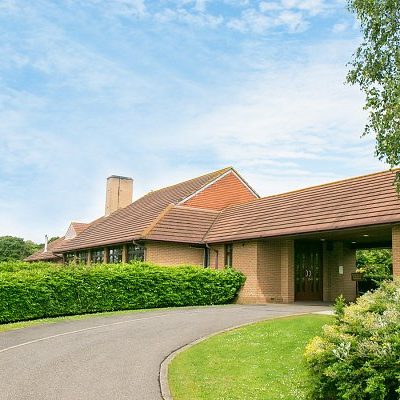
163, 372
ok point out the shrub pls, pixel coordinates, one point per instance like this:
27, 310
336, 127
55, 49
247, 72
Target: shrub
15, 266
358, 358
376, 266
52, 290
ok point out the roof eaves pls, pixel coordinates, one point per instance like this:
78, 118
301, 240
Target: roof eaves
146, 231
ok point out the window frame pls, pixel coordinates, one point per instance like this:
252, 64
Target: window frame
97, 256
115, 255
228, 261
133, 250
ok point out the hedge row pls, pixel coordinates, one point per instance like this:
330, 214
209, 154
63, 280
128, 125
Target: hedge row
30, 292
15, 266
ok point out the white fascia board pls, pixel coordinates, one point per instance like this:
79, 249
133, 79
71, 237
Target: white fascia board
252, 191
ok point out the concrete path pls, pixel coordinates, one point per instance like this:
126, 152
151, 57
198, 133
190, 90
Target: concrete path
112, 357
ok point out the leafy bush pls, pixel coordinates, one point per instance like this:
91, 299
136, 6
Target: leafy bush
15, 266
358, 358
376, 266
29, 291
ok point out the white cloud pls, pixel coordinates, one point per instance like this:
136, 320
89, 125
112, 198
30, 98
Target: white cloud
266, 6
294, 21
136, 8
290, 126
251, 21
187, 17
340, 27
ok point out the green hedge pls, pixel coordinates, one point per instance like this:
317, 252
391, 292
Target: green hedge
39, 291
358, 358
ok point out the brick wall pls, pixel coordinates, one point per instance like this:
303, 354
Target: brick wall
287, 270
244, 259
396, 250
269, 269
268, 266
224, 192
167, 253
217, 256
334, 283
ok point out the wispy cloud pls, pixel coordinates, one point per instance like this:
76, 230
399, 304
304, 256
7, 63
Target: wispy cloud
165, 90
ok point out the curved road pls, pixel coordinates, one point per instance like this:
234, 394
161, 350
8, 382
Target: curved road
112, 357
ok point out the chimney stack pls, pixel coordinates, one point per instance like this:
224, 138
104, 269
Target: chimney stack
119, 193
46, 243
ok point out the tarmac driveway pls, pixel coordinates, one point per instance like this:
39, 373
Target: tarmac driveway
112, 357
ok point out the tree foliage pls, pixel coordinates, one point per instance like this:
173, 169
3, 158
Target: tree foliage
375, 67
15, 248
376, 264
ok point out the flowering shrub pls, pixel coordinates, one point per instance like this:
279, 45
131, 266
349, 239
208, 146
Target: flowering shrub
358, 358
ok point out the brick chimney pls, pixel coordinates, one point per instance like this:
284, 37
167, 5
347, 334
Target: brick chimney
118, 193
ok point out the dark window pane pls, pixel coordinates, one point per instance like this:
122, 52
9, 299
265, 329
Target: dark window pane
135, 252
115, 255
206, 257
69, 257
228, 255
82, 257
97, 255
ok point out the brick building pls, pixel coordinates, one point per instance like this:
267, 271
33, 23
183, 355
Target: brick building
294, 246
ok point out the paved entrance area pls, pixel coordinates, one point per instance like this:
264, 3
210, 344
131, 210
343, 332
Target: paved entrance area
113, 357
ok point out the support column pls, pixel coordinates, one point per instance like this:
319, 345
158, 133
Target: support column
89, 257
106, 255
396, 250
287, 271
124, 253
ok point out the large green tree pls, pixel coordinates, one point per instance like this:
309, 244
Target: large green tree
375, 67
15, 248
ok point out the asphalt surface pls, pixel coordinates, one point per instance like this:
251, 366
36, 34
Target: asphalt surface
112, 357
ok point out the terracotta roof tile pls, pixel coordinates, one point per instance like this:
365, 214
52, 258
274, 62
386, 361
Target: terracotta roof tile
354, 202
183, 224
129, 223
48, 255
79, 227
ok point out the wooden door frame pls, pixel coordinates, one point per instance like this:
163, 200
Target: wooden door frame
321, 247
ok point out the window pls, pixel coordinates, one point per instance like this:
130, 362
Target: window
115, 255
97, 255
69, 257
135, 252
82, 257
206, 262
228, 255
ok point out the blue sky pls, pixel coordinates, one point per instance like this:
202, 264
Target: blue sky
167, 90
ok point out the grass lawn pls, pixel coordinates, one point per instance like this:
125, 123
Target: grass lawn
259, 361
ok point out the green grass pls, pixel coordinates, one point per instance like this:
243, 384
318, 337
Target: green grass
262, 361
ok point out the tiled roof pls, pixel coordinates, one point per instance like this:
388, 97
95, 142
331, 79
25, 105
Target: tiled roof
79, 227
355, 202
183, 224
130, 222
48, 255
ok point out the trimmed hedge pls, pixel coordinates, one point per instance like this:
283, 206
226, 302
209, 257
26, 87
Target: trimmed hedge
358, 358
39, 291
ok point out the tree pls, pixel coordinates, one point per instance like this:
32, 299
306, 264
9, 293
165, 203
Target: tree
376, 264
375, 67
15, 248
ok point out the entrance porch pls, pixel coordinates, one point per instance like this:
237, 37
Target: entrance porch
309, 267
